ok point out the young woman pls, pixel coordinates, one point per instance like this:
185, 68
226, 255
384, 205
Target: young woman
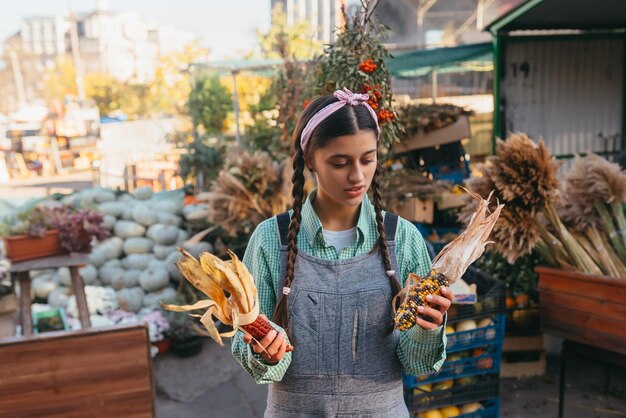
328, 271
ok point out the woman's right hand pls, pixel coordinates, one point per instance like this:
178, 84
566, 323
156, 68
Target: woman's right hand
274, 343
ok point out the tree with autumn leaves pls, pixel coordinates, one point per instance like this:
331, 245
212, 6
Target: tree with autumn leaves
356, 60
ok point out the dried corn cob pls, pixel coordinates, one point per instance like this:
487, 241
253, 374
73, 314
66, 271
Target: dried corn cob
450, 264
213, 277
430, 285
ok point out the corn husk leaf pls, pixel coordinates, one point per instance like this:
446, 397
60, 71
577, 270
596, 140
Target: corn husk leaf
213, 277
454, 259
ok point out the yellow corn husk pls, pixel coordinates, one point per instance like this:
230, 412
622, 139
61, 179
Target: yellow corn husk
449, 265
213, 277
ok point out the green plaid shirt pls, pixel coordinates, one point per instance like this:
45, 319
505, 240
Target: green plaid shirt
420, 351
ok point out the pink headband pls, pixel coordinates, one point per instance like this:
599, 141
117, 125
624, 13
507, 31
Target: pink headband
346, 97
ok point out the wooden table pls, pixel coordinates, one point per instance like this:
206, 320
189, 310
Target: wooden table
22, 269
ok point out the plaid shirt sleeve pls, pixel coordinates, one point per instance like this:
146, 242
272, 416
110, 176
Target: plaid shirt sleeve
420, 351
263, 269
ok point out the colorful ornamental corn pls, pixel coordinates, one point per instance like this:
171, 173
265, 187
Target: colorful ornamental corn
232, 296
450, 264
406, 315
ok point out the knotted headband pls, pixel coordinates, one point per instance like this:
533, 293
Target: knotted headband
346, 97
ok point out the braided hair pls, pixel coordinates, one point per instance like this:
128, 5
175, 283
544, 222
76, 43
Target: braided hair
348, 120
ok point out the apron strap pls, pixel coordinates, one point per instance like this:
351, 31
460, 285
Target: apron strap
283, 220
391, 226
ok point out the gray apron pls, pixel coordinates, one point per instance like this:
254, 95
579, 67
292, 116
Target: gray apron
345, 362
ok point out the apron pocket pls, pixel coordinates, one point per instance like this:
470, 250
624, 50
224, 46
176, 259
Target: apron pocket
304, 324
376, 343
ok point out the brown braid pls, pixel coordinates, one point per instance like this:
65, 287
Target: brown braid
382, 235
280, 312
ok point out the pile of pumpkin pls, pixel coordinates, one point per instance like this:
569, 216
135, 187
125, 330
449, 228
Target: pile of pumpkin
134, 268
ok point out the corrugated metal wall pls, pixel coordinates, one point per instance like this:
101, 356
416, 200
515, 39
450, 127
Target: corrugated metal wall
568, 91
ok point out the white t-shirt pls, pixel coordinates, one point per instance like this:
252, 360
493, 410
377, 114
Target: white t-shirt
339, 239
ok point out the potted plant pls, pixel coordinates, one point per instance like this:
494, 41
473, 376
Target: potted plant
44, 231
185, 340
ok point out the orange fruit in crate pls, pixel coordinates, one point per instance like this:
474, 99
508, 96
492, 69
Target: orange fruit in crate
450, 411
483, 363
510, 302
521, 300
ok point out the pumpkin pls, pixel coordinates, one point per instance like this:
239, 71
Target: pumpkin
153, 279
168, 219
128, 229
99, 300
197, 249
59, 297
182, 236
151, 300
138, 245
167, 206
137, 261
115, 262
100, 195
108, 221
144, 215
129, 278
89, 273
97, 257
112, 208
143, 193
162, 251
127, 213
131, 299
163, 234
109, 274
41, 287
170, 266
63, 274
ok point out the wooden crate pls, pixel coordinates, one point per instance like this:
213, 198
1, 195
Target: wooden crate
523, 368
89, 373
584, 308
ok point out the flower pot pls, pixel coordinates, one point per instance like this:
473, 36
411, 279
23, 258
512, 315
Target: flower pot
25, 247
584, 308
188, 347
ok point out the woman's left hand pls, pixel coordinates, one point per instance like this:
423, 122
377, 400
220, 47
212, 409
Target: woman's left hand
440, 305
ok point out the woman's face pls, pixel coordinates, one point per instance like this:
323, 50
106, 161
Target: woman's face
345, 167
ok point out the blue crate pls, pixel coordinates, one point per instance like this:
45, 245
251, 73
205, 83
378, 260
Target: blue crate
488, 362
491, 409
485, 390
479, 337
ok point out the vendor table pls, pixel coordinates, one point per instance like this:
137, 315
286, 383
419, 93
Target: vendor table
21, 270
570, 349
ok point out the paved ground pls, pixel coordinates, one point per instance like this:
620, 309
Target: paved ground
212, 384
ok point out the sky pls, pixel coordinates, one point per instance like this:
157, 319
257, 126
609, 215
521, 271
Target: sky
227, 28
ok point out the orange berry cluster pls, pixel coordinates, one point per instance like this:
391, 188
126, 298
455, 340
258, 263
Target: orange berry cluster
368, 66
385, 116
373, 102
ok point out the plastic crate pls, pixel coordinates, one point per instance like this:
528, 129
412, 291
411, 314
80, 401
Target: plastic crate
491, 297
473, 365
490, 409
485, 388
523, 322
479, 337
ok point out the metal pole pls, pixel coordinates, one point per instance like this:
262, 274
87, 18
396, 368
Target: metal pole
434, 94
236, 106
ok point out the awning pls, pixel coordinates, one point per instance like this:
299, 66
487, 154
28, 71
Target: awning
563, 14
474, 57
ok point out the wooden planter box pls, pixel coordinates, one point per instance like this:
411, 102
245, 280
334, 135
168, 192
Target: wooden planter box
584, 308
25, 247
